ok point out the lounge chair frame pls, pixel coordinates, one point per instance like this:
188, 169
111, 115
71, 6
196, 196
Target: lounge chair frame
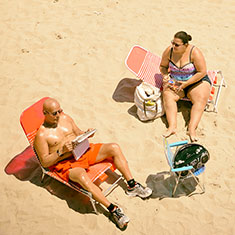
146, 66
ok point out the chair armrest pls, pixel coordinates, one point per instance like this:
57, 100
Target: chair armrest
178, 143
185, 168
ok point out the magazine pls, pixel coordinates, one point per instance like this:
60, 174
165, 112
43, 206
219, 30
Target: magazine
81, 144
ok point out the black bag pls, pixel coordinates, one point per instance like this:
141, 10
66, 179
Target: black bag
190, 155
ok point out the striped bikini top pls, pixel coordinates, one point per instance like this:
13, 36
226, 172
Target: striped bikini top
182, 73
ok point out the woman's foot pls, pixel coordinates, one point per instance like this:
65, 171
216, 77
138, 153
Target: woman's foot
169, 132
192, 135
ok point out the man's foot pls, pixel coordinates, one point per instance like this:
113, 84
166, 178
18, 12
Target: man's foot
120, 219
169, 132
139, 190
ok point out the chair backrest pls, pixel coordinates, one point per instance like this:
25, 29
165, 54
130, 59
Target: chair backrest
31, 119
168, 153
145, 65
212, 75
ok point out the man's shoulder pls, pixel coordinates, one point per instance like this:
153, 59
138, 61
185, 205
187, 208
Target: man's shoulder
40, 131
66, 117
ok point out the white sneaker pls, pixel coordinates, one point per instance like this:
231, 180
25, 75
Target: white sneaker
139, 191
119, 217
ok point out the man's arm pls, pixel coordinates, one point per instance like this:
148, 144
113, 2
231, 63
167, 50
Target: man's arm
41, 147
75, 128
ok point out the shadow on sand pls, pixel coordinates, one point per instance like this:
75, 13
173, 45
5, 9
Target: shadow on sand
125, 90
163, 183
25, 167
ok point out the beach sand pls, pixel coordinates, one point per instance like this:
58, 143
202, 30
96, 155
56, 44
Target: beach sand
74, 51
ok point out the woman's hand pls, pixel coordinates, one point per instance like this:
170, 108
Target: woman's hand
166, 78
165, 81
180, 86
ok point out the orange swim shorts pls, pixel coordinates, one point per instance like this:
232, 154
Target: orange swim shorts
62, 168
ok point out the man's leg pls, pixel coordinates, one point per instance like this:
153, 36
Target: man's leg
113, 150
80, 176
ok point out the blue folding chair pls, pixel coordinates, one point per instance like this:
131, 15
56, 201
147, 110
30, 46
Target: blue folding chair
191, 166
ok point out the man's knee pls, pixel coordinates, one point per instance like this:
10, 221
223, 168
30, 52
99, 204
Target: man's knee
115, 149
77, 174
80, 176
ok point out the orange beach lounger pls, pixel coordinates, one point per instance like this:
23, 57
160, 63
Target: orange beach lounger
31, 119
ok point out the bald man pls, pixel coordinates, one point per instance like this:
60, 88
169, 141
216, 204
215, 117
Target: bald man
53, 146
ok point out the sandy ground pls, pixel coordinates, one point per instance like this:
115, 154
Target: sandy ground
74, 51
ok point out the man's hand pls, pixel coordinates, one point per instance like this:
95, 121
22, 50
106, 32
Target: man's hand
68, 147
90, 129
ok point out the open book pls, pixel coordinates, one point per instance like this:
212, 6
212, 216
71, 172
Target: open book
81, 144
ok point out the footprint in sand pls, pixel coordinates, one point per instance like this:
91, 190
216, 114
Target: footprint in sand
24, 51
58, 36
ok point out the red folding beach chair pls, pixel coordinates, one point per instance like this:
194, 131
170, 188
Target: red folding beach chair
146, 66
31, 119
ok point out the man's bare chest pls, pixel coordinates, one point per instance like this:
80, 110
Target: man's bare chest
59, 135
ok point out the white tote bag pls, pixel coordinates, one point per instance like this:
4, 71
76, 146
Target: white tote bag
148, 101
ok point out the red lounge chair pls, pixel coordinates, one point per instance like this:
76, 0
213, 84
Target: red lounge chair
145, 65
31, 119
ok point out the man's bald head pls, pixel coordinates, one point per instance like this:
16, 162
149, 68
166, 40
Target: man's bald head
52, 111
50, 104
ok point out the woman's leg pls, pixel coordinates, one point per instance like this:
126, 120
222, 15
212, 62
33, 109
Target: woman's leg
170, 99
198, 95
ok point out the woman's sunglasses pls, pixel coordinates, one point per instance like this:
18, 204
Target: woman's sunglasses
175, 44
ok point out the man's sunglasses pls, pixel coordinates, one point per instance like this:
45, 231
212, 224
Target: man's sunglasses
55, 113
175, 44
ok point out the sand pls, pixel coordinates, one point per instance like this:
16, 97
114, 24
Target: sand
74, 51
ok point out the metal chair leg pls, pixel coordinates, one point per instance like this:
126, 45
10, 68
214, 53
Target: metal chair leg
92, 202
177, 179
198, 182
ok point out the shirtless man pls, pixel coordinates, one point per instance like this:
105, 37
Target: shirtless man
53, 146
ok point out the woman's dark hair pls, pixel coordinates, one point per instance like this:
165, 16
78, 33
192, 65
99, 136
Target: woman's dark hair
183, 36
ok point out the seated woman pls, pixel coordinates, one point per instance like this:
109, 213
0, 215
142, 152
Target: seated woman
184, 66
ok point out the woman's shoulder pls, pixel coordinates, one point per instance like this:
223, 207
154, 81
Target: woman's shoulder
167, 51
196, 52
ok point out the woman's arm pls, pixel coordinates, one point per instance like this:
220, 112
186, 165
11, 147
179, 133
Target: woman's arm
200, 65
165, 64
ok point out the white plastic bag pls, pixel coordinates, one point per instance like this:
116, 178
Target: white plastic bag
148, 101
